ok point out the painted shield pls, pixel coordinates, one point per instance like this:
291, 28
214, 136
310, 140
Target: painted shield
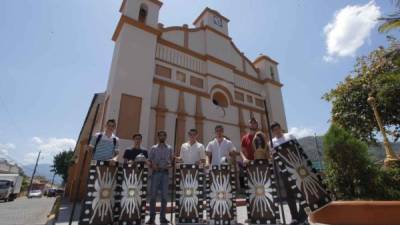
98, 206
260, 146
130, 206
221, 195
189, 194
261, 194
303, 179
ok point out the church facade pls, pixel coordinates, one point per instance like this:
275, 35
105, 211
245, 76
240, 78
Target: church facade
182, 77
195, 77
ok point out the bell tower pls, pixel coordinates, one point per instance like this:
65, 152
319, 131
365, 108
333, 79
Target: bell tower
129, 88
143, 11
213, 19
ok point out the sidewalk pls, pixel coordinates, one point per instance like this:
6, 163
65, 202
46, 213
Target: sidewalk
65, 212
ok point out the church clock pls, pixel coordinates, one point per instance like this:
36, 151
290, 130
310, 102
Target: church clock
218, 21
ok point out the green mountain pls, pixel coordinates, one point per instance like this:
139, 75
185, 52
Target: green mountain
313, 146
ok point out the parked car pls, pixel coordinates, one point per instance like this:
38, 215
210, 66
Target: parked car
35, 194
51, 192
60, 192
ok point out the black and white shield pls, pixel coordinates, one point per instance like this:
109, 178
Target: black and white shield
189, 194
98, 206
130, 206
261, 194
302, 177
221, 197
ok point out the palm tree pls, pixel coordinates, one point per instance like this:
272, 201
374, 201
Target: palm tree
391, 21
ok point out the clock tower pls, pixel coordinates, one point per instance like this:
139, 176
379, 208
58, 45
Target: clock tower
213, 19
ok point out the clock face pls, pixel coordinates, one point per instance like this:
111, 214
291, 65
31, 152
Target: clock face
218, 21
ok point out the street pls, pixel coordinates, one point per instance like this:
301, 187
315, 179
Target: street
24, 211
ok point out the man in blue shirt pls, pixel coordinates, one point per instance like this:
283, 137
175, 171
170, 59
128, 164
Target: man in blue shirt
160, 158
104, 145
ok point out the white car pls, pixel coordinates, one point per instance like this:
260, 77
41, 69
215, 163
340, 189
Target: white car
35, 194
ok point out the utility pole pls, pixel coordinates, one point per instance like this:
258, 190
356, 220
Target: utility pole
33, 174
54, 174
319, 153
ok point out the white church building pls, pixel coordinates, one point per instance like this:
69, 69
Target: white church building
195, 76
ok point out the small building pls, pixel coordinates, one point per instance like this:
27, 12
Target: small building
7, 166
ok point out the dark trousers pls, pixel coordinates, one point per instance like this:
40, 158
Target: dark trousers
159, 182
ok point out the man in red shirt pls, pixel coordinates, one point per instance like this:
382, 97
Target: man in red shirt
247, 150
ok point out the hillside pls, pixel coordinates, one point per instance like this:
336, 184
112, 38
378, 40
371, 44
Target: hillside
42, 170
310, 144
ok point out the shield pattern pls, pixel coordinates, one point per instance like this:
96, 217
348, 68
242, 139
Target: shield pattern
189, 181
261, 193
115, 194
98, 206
221, 195
302, 177
130, 206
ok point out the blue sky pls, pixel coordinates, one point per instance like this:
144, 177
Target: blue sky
55, 54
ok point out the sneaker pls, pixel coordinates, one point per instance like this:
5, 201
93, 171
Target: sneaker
164, 221
150, 222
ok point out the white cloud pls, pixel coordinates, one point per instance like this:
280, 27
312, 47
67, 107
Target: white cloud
5, 149
49, 148
37, 140
349, 29
301, 132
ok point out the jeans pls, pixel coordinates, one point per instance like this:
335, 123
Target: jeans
159, 181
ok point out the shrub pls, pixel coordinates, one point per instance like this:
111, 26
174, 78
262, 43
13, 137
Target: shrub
350, 173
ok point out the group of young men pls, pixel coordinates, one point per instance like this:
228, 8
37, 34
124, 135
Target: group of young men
160, 158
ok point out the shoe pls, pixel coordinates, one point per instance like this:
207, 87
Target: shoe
164, 221
294, 222
150, 222
305, 223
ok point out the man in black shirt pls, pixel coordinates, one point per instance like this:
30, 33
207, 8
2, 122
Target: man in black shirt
131, 153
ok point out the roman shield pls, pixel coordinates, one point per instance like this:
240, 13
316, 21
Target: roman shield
221, 195
98, 206
303, 179
189, 181
261, 194
130, 206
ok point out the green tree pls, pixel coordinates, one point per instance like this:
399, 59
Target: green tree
391, 21
350, 173
377, 74
61, 163
388, 184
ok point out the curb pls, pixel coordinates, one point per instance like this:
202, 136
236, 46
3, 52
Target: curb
52, 216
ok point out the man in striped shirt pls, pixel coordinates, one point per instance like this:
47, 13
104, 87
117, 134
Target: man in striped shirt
104, 145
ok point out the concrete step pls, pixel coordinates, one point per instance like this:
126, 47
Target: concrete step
239, 202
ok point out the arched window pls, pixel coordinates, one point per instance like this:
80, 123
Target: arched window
143, 13
219, 99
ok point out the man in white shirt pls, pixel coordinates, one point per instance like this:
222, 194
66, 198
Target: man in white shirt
192, 152
298, 215
220, 147
279, 136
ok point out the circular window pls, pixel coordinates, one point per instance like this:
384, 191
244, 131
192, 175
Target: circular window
219, 99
